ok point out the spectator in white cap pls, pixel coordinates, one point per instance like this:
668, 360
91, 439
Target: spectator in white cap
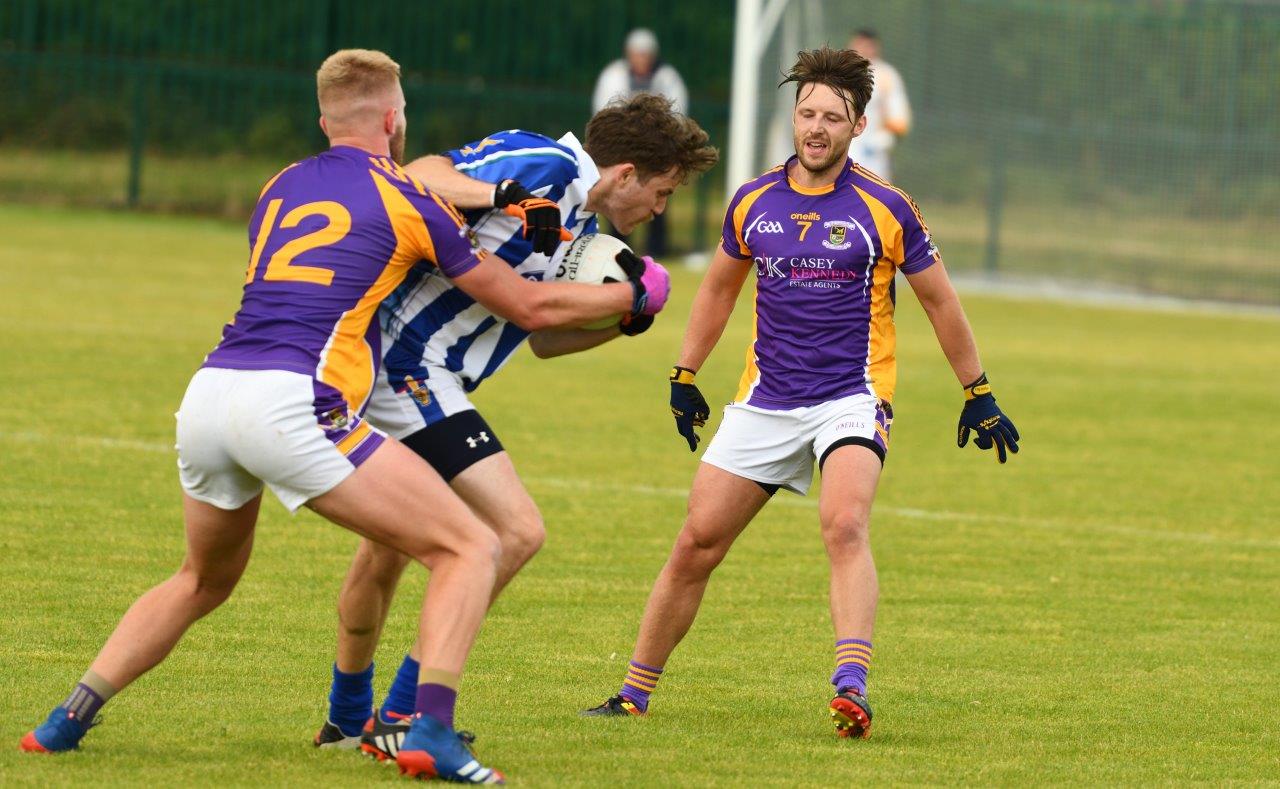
642, 72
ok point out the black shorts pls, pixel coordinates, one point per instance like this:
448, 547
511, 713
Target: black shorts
455, 443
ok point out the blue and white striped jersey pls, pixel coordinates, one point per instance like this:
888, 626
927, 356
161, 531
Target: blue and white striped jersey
430, 328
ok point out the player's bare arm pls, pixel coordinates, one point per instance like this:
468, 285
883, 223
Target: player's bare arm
437, 173
541, 216
549, 343
541, 305
712, 306
941, 304
980, 414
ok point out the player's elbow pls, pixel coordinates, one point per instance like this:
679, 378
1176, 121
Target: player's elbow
537, 317
540, 347
535, 311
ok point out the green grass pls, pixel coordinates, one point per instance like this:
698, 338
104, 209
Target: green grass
1100, 610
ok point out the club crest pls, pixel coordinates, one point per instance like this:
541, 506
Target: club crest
417, 390
837, 235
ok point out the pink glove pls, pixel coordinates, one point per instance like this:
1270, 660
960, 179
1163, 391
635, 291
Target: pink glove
657, 286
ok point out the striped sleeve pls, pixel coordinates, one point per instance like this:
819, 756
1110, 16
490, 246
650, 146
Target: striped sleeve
918, 250
454, 253
731, 239
446, 242
532, 159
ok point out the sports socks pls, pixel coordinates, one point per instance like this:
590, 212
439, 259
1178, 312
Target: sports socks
641, 680
853, 659
437, 694
88, 697
403, 693
351, 699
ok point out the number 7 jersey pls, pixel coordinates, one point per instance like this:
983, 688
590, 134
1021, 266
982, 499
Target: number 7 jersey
331, 236
825, 260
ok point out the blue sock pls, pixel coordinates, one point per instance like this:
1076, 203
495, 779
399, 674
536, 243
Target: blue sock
404, 689
351, 700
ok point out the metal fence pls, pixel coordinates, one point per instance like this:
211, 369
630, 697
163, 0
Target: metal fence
174, 80
1132, 144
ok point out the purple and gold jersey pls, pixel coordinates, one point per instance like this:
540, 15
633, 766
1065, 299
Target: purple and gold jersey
825, 261
331, 236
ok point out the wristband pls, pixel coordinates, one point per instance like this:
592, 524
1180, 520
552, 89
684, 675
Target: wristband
681, 375
978, 388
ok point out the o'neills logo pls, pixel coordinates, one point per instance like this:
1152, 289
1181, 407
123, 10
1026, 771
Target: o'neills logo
837, 235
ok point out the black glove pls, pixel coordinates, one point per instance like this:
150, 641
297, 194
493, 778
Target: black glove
633, 266
631, 325
688, 405
984, 417
541, 216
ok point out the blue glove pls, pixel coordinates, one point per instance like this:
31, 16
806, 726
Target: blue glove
688, 405
984, 417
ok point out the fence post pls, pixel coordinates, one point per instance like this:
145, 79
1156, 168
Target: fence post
995, 197
700, 214
30, 42
137, 140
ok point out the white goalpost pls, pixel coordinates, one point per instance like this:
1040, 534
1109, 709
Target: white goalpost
767, 35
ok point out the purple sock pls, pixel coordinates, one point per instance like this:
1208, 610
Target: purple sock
853, 659
437, 701
83, 703
640, 682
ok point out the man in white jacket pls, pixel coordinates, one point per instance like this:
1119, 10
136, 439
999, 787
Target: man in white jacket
642, 72
888, 112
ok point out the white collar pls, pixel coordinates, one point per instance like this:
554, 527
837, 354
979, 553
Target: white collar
588, 173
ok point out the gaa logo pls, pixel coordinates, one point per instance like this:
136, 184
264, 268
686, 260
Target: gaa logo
761, 226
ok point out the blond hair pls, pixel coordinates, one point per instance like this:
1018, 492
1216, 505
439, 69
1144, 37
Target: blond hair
352, 82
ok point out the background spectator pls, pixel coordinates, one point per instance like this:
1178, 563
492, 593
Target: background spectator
888, 112
640, 71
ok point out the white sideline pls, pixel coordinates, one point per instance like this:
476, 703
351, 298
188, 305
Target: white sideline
783, 499
1058, 291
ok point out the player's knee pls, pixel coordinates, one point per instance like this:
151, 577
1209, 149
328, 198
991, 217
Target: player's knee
846, 530
207, 589
480, 546
697, 553
524, 535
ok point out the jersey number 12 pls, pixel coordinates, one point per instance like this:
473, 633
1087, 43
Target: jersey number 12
281, 266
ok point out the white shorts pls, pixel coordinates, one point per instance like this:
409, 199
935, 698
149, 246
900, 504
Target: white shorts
240, 428
780, 447
402, 408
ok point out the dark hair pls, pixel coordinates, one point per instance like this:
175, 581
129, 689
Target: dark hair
645, 131
866, 32
843, 70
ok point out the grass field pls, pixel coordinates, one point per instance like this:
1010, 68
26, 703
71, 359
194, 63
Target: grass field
1103, 609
